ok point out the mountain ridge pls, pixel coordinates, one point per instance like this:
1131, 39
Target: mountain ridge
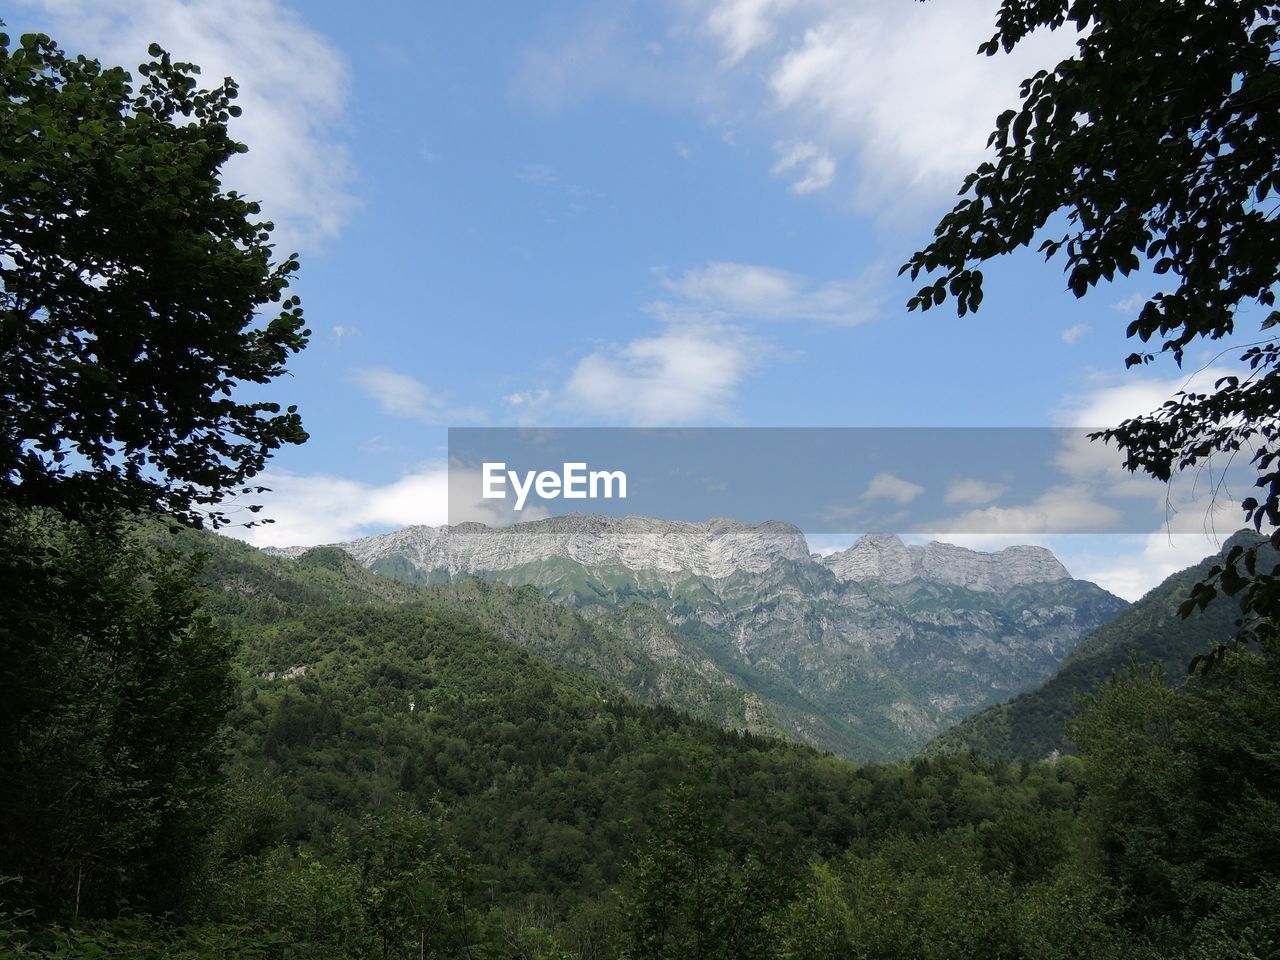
1034, 724
723, 547
870, 668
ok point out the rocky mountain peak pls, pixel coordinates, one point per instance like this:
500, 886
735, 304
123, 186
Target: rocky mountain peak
715, 549
885, 558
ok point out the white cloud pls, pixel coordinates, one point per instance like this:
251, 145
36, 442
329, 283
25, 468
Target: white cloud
1131, 305
1131, 565
528, 398
968, 491
404, 396
1112, 400
312, 509
1066, 508
810, 167
885, 486
744, 25
294, 90
741, 291
681, 376
690, 370
896, 86
1074, 333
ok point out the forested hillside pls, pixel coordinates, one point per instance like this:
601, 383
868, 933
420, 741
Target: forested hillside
654, 664
1151, 632
866, 653
400, 781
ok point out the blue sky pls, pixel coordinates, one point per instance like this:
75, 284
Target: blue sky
667, 213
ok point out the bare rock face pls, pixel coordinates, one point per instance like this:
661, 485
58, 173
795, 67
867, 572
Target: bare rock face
886, 559
876, 556
715, 550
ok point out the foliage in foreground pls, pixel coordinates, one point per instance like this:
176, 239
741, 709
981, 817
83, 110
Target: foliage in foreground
1153, 148
131, 286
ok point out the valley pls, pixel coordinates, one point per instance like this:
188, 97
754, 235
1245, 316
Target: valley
866, 653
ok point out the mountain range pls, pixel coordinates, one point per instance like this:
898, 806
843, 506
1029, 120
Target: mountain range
1150, 634
868, 652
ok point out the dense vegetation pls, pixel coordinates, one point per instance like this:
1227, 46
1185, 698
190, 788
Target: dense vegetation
399, 781
1151, 633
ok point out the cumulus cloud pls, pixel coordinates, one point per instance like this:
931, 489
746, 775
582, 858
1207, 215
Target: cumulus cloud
1131, 566
689, 370
313, 509
1109, 401
1065, 508
404, 396
680, 376
896, 87
294, 89
885, 486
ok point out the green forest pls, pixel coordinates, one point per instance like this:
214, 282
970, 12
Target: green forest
265, 757
261, 757
207, 751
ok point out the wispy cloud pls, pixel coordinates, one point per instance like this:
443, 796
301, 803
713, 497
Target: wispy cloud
537, 174
1074, 333
294, 89
968, 491
809, 167
401, 395
896, 88
679, 376
1131, 305
743, 291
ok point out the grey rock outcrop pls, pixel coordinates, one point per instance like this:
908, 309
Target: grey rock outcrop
886, 559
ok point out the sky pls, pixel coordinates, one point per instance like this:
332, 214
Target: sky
671, 213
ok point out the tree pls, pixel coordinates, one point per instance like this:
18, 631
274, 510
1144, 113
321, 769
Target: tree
112, 689
1158, 141
130, 283
691, 897
1183, 799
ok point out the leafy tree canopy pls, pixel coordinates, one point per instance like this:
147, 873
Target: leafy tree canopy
130, 284
1156, 146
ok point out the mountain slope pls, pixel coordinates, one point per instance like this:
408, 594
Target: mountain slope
359, 693
868, 652
1033, 724
633, 651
